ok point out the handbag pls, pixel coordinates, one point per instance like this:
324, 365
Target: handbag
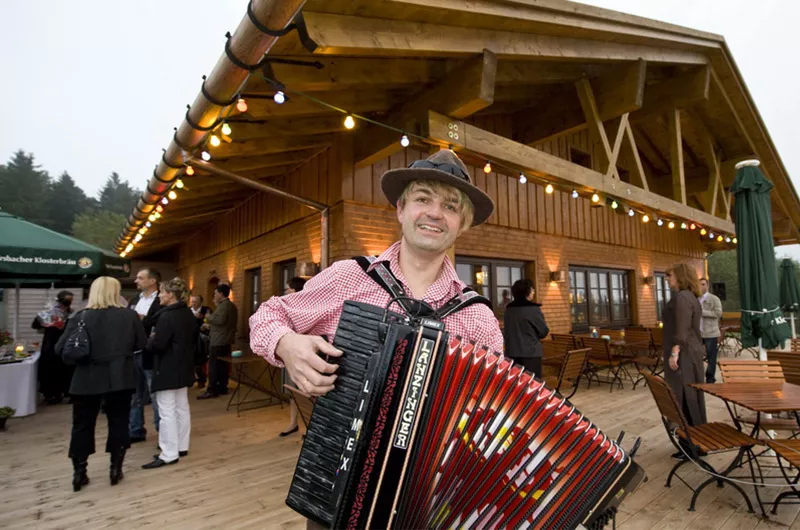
77, 349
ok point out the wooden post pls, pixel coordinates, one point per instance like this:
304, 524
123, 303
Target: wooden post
676, 156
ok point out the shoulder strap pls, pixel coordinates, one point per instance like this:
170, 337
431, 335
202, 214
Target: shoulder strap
384, 277
460, 301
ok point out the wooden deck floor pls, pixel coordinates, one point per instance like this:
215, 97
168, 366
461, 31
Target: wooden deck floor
238, 472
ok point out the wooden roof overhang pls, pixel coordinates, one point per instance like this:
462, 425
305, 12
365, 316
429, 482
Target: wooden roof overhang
671, 96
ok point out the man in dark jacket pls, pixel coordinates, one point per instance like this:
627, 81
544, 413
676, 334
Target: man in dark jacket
525, 327
200, 312
146, 305
222, 325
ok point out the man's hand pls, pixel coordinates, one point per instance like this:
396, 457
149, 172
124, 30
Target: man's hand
305, 366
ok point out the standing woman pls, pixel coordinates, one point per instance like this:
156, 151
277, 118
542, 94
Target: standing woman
295, 285
683, 345
524, 328
173, 344
109, 375
54, 376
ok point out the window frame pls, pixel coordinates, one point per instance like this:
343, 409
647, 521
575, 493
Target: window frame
604, 285
493, 286
664, 291
254, 286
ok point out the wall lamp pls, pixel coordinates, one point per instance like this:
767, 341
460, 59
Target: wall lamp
558, 276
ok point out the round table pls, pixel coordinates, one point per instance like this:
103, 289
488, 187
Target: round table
18, 382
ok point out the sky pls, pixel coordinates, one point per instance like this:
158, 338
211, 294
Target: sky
93, 86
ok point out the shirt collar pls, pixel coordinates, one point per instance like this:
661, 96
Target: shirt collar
443, 288
150, 296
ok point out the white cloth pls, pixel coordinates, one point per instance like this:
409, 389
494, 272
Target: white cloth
18, 385
175, 424
144, 303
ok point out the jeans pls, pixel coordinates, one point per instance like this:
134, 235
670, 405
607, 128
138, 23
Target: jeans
712, 349
140, 398
84, 417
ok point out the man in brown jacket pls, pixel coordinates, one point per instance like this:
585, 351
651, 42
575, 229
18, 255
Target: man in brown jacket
222, 324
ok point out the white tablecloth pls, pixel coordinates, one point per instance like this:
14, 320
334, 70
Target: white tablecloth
18, 385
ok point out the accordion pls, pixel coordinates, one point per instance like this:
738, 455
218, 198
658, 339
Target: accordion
426, 430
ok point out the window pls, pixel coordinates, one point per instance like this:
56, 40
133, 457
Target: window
253, 279
581, 158
663, 295
286, 271
598, 297
491, 278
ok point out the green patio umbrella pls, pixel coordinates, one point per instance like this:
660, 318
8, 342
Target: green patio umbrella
789, 291
763, 323
32, 252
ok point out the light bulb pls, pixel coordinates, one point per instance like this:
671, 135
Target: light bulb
158, 215
522, 179
129, 247
123, 254
614, 205
137, 237
152, 218
214, 140
159, 208
487, 168
595, 198
645, 218
241, 105
226, 129
205, 155
404, 141
683, 226
165, 201
189, 170
727, 239
349, 122
720, 238
279, 97
549, 189
735, 240
671, 225
142, 230
148, 224
692, 226
703, 231
172, 195
179, 184
660, 222
631, 213
574, 194
711, 235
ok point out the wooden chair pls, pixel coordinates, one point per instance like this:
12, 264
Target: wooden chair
790, 364
305, 403
569, 342
700, 440
553, 352
756, 372
658, 338
644, 356
788, 451
601, 358
794, 345
614, 334
572, 368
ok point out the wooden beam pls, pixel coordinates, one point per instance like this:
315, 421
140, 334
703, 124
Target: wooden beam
463, 92
360, 101
616, 92
363, 36
286, 126
650, 151
676, 156
677, 92
467, 138
638, 176
269, 161
269, 146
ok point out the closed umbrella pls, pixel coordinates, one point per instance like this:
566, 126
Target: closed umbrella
789, 291
763, 323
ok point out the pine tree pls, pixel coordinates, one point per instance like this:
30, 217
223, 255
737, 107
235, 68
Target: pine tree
117, 195
25, 189
99, 228
66, 201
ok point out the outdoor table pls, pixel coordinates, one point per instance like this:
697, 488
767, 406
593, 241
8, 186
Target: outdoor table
766, 397
18, 385
238, 364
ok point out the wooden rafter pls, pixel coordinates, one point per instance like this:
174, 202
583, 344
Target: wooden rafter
270, 146
463, 92
677, 92
676, 156
445, 131
616, 92
639, 178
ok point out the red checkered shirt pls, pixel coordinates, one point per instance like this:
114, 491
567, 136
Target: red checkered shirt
316, 309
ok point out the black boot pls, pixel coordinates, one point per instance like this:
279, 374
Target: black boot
115, 470
79, 476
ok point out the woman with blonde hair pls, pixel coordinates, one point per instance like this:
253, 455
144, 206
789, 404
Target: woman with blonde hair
173, 344
683, 345
108, 375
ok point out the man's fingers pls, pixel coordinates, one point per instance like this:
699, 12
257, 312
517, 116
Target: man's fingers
319, 365
326, 347
318, 379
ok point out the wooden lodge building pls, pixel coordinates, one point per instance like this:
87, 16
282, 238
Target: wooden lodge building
580, 101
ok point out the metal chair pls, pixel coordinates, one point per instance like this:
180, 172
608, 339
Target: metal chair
601, 358
790, 364
697, 441
645, 357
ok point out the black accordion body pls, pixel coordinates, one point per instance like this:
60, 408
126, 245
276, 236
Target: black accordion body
425, 430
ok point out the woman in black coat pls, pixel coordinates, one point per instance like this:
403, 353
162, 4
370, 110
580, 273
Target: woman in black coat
173, 343
115, 333
524, 327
